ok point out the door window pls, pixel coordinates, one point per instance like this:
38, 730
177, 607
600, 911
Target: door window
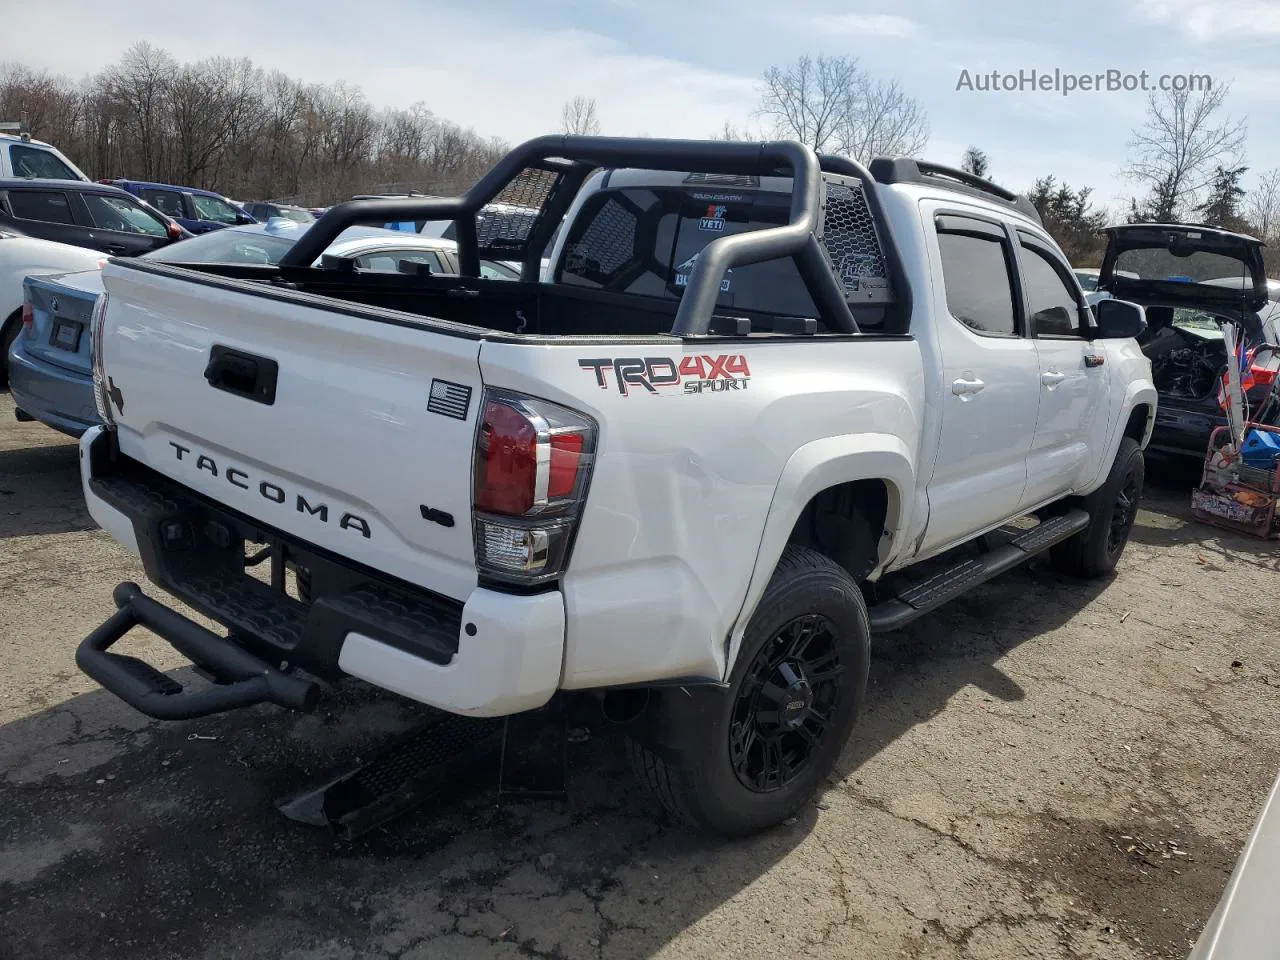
118, 214
44, 205
166, 201
211, 208
1051, 304
975, 272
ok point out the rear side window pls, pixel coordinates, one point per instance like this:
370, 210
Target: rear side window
37, 163
975, 272
166, 201
118, 214
1051, 305
47, 206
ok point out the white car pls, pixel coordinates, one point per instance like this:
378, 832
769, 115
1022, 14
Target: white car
689, 495
22, 257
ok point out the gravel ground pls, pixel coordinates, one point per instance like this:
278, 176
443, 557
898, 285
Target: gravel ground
1046, 768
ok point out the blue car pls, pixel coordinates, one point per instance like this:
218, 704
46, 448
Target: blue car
198, 210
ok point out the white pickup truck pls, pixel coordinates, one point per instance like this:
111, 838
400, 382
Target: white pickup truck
762, 404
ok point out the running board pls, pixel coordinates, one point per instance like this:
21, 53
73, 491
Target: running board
925, 597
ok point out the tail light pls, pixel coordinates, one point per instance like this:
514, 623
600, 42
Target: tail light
97, 320
532, 466
28, 316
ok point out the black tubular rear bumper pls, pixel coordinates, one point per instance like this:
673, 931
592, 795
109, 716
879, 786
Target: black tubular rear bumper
194, 549
242, 680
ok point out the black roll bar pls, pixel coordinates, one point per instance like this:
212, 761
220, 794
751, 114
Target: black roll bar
797, 239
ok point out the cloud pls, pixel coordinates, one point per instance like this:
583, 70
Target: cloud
1206, 20
864, 25
477, 68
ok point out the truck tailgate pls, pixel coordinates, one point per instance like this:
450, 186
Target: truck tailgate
369, 431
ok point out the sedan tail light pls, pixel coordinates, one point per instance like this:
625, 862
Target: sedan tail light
532, 466
28, 316
97, 321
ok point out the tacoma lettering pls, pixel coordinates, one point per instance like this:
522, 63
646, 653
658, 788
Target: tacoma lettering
272, 492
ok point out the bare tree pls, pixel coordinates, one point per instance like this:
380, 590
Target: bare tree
579, 117
225, 124
1263, 208
1186, 136
731, 131
975, 161
834, 106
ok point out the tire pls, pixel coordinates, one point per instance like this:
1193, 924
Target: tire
8, 334
707, 753
1095, 551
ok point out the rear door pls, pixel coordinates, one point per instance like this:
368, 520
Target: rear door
1176, 264
1072, 423
991, 379
121, 226
47, 214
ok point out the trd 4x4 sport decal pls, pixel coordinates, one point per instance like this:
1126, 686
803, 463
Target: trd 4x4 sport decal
693, 374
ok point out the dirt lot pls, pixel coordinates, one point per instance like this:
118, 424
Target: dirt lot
1046, 769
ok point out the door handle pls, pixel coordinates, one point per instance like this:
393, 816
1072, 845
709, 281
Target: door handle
966, 388
115, 248
1051, 378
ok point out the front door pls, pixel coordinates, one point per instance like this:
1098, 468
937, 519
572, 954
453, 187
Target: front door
990, 385
1073, 421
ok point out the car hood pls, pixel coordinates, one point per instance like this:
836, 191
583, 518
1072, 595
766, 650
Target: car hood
1174, 264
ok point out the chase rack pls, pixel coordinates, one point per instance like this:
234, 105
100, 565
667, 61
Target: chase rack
545, 174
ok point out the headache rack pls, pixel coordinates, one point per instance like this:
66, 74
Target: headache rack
512, 214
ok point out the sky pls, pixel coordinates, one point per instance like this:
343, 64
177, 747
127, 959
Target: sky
679, 68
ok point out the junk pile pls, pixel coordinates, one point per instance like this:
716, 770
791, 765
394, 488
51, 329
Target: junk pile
1240, 487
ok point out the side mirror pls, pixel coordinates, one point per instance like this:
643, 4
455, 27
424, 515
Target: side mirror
1119, 319
244, 218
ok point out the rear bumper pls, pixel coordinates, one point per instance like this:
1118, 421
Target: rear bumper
59, 398
494, 655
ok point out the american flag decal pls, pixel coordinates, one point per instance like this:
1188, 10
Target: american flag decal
449, 399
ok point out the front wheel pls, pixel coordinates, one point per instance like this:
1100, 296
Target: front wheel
1113, 508
736, 761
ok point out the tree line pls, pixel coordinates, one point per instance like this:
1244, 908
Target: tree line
250, 133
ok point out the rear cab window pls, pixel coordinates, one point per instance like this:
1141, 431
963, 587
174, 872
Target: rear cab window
645, 241
45, 206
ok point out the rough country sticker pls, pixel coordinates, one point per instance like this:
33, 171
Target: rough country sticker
693, 374
713, 219
686, 268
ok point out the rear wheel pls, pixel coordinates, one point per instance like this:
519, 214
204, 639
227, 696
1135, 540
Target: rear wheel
737, 761
8, 334
1112, 508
